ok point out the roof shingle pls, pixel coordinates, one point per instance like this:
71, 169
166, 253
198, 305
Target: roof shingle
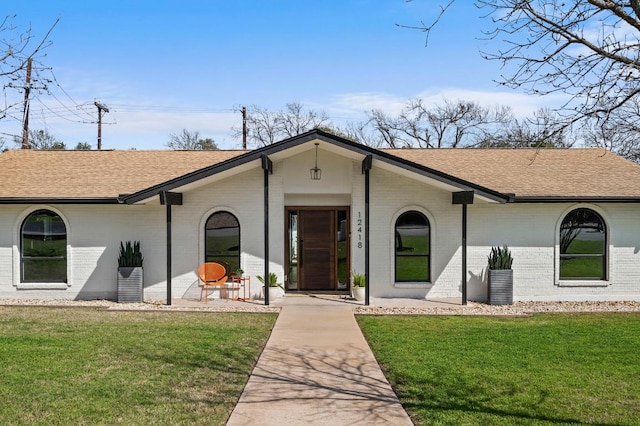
523, 172
96, 174
574, 172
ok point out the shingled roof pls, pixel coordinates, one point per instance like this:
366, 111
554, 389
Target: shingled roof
530, 173
525, 174
96, 174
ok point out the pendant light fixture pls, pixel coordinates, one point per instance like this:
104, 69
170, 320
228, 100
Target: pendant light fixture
315, 172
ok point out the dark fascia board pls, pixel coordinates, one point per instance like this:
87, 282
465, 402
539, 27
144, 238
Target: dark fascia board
560, 199
462, 184
301, 139
54, 200
189, 178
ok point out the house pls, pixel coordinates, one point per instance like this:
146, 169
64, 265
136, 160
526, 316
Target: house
569, 216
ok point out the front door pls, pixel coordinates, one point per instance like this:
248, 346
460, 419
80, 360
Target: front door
317, 249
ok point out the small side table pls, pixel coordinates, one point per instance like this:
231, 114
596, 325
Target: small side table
243, 281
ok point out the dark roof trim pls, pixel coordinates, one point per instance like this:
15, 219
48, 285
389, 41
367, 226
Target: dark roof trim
548, 199
462, 184
301, 139
53, 200
189, 178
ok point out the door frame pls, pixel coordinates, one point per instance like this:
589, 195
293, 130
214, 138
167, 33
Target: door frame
287, 247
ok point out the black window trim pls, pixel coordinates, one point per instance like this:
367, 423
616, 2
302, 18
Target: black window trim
427, 256
239, 235
604, 256
23, 258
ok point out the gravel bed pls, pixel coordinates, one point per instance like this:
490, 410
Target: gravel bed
473, 308
517, 309
151, 305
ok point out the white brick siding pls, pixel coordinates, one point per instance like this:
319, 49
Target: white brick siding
530, 230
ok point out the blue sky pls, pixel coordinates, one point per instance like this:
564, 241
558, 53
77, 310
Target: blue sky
161, 66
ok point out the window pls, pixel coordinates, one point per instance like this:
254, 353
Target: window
222, 240
583, 246
412, 247
43, 247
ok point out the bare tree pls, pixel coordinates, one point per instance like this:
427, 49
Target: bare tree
266, 127
620, 133
544, 130
448, 124
43, 140
187, 140
295, 119
587, 50
261, 125
17, 46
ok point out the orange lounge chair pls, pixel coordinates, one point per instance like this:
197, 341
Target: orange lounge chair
211, 275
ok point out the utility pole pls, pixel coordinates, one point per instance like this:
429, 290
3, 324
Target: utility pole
27, 91
100, 109
25, 120
244, 128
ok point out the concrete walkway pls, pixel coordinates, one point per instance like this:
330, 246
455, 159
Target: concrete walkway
317, 369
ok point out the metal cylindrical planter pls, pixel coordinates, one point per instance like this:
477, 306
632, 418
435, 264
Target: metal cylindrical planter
500, 286
130, 284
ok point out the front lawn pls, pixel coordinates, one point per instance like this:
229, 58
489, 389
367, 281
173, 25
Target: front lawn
90, 366
544, 369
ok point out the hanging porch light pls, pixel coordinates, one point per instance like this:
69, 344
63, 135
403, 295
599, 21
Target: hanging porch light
316, 173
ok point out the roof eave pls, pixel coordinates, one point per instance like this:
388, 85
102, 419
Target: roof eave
575, 199
59, 200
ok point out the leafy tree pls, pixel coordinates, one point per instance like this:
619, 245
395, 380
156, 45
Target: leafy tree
83, 146
187, 140
207, 144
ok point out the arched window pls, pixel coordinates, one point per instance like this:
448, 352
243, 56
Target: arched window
222, 240
412, 243
583, 246
43, 248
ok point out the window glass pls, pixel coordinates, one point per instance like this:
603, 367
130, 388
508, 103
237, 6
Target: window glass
412, 247
43, 248
583, 247
222, 240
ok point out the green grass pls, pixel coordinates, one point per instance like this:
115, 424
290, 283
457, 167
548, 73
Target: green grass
412, 263
583, 267
542, 370
89, 366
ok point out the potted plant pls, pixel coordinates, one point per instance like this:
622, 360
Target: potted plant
276, 289
500, 276
239, 272
357, 288
130, 273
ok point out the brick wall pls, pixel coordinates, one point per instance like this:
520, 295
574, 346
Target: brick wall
530, 230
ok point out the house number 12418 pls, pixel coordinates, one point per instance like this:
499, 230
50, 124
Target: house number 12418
359, 229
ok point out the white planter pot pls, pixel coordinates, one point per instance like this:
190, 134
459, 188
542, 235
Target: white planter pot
275, 293
358, 293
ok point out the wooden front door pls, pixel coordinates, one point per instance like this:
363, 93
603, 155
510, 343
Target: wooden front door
317, 250
317, 245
